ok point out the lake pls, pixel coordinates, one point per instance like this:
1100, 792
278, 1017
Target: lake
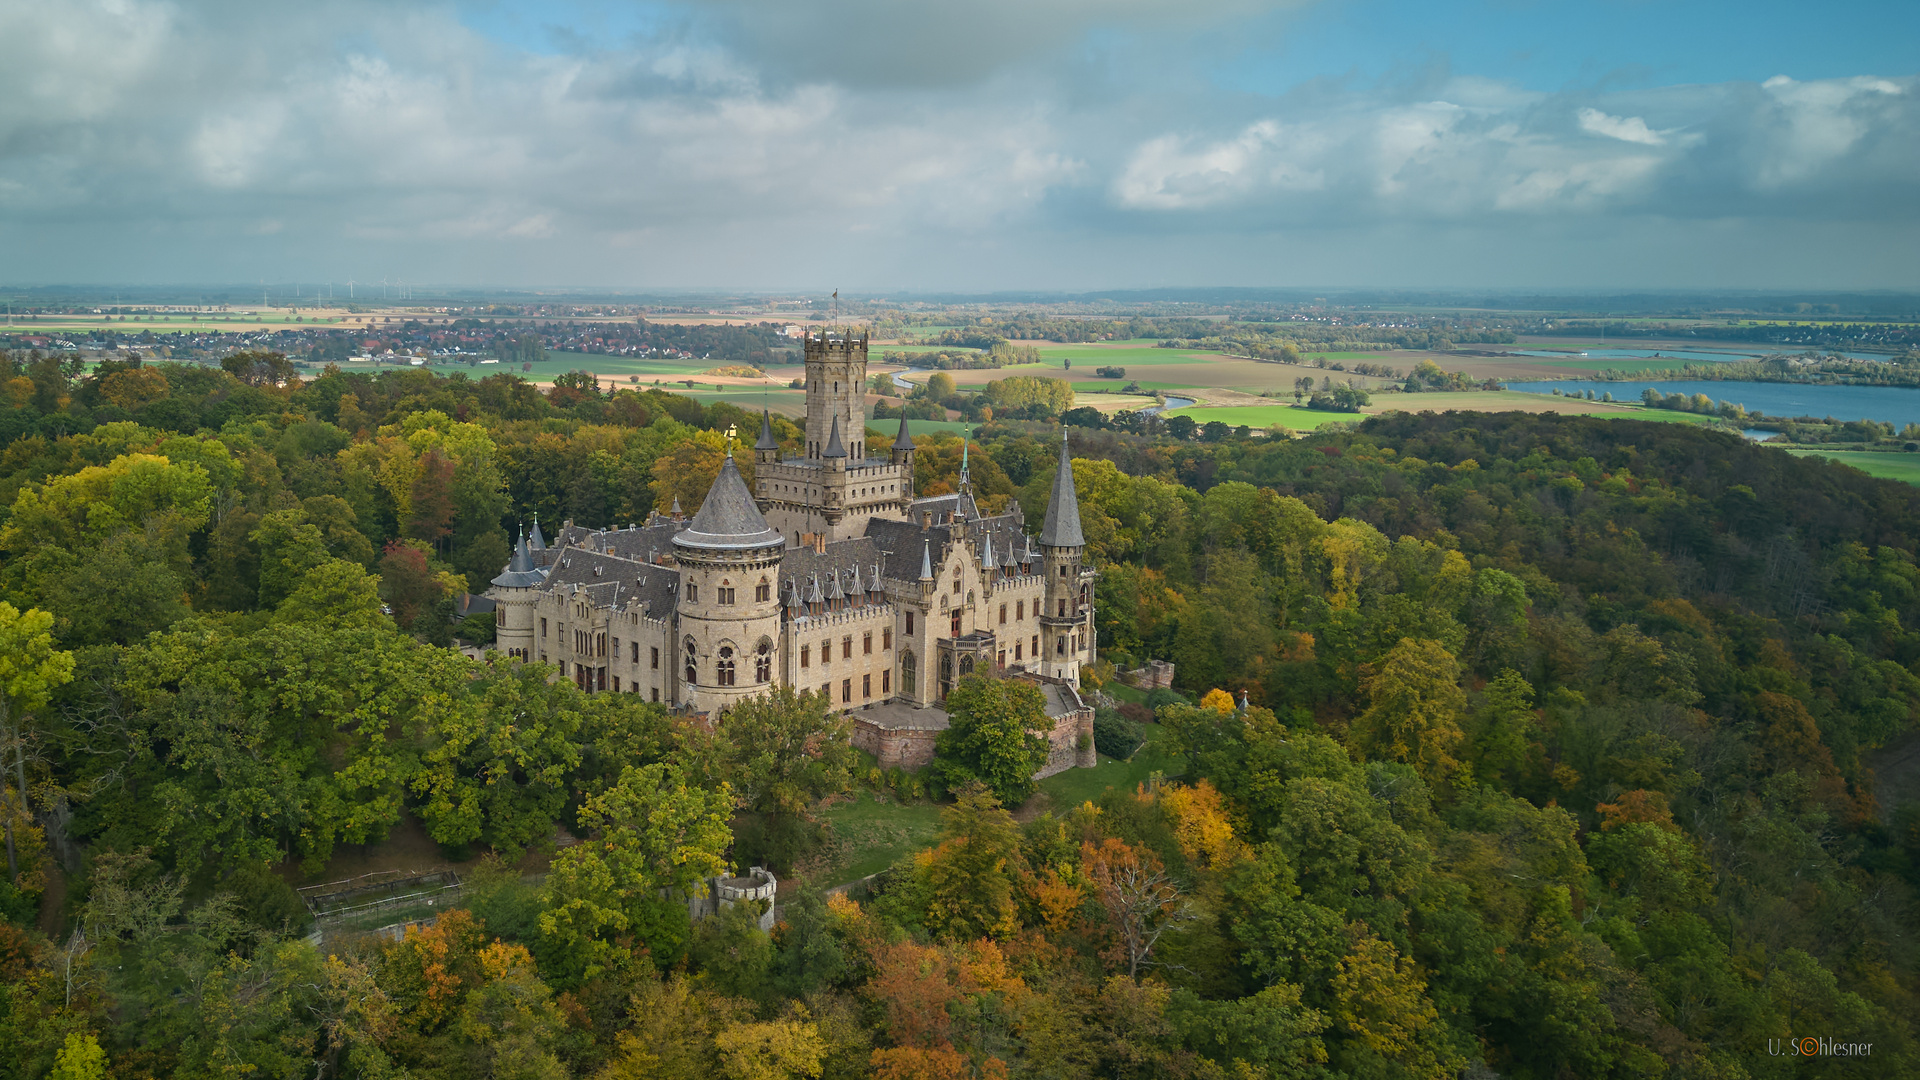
1897, 405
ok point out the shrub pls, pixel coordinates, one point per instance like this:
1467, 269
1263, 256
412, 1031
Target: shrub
1115, 734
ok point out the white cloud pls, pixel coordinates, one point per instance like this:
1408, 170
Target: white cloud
1625, 128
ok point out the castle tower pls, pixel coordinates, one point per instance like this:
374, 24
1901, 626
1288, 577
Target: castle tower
728, 636
513, 597
836, 390
833, 489
1066, 620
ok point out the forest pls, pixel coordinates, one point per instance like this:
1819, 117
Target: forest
1506, 745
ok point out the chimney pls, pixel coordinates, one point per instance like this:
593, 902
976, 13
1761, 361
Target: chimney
819, 543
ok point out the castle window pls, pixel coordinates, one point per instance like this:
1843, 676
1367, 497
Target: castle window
826, 651
806, 656
763, 592
656, 657
909, 624
886, 638
656, 693
693, 592
1019, 610
1003, 614
1036, 646
693, 668
846, 647
1016, 652
763, 663
726, 595
955, 623
866, 644
908, 680
846, 691
1060, 645
956, 581
1001, 660
1063, 569
543, 628
886, 681
725, 667
634, 654
616, 684
1063, 609
600, 646
866, 686
616, 646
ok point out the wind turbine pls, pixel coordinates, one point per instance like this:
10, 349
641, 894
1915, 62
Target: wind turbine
349, 289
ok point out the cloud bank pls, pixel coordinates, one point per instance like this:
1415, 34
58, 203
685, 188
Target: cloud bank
750, 144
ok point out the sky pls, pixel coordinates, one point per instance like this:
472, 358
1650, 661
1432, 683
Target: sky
883, 146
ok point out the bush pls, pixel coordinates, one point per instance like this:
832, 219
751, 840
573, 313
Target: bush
1111, 372
1164, 696
1115, 734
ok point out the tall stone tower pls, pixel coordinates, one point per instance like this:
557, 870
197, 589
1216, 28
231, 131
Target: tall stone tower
1066, 622
836, 390
833, 488
729, 602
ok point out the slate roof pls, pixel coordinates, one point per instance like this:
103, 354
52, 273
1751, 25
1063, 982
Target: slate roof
767, 441
728, 520
903, 441
842, 559
611, 581
520, 573
1062, 525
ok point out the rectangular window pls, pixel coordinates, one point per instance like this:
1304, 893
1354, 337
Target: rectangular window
1036, 646
956, 622
600, 646
909, 624
763, 592
1003, 614
826, 692
826, 651
886, 681
634, 646
601, 677
846, 647
543, 628
616, 684
655, 651
866, 686
693, 592
1060, 645
1020, 611
1003, 658
616, 646
806, 656
1016, 652
846, 691
656, 693
726, 596
886, 639
866, 644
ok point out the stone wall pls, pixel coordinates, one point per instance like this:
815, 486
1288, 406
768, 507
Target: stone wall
902, 749
1156, 675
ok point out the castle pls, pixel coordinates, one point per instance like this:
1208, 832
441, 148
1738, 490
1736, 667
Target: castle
829, 576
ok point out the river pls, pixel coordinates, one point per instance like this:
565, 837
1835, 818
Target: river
1897, 405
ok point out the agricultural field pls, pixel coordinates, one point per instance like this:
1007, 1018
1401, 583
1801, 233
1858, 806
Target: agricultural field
1887, 465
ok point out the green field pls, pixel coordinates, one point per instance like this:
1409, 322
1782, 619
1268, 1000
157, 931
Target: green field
1887, 465
869, 836
1260, 417
1069, 789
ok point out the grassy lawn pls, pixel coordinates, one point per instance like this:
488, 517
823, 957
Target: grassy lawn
1887, 465
1064, 791
1266, 416
869, 836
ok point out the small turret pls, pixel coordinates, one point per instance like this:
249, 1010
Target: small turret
903, 443
767, 449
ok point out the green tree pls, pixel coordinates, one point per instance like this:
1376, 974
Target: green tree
1504, 729
496, 762
780, 753
1414, 710
80, 1059
336, 593
970, 876
649, 831
994, 735
30, 669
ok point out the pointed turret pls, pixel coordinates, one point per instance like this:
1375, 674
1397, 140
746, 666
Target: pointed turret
1061, 528
767, 441
834, 449
728, 519
986, 561
520, 572
537, 542
677, 514
903, 441
926, 560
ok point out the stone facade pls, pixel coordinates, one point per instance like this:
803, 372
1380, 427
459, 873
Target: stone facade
829, 576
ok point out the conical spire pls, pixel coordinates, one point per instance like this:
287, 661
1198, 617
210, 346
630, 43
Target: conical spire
728, 519
677, 514
966, 444
903, 441
986, 563
1061, 528
834, 448
520, 572
767, 441
926, 560
537, 542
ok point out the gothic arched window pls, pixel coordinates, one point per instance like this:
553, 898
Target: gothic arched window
966, 666
763, 662
724, 669
909, 681
693, 666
